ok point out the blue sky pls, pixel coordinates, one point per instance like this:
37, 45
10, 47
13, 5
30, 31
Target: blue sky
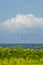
21, 21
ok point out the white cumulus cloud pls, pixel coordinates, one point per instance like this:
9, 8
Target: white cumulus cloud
22, 22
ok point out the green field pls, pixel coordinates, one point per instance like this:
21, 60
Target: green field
18, 56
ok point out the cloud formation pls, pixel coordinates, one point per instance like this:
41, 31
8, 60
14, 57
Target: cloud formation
22, 23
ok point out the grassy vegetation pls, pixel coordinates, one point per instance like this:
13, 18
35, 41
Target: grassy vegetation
19, 56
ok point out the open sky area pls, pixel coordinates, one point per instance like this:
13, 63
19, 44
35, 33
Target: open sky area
21, 21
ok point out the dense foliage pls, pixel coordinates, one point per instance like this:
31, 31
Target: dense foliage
19, 56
